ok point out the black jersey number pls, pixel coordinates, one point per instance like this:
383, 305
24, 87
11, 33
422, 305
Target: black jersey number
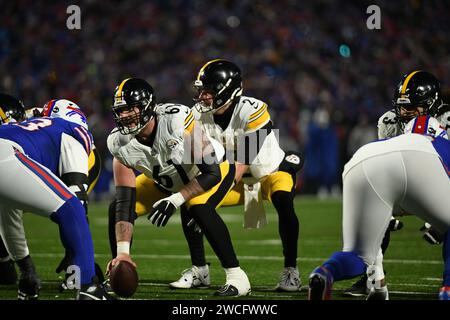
165, 180
172, 110
386, 120
250, 102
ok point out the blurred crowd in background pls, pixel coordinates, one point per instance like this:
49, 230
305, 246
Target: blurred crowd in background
325, 76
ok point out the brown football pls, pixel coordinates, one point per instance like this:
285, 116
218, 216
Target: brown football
124, 279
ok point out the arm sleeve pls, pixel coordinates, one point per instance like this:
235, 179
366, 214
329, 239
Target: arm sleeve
73, 156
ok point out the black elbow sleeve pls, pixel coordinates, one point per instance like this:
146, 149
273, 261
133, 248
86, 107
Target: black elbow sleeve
79, 180
210, 175
125, 204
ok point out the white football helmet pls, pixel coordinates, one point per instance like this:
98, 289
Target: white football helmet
65, 109
426, 125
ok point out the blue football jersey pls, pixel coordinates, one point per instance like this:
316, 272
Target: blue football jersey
40, 138
442, 147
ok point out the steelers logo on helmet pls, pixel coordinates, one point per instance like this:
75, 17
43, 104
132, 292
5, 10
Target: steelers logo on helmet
11, 109
133, 106
220, 78
418, 93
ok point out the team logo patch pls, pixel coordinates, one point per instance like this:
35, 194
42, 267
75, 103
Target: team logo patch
172, 144
292, 158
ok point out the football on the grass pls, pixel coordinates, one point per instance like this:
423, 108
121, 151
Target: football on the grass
123, 279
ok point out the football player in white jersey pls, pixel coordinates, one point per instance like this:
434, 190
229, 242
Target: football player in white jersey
180, 167
243, 125
418, 93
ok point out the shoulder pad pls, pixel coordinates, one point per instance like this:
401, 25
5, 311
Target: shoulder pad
178, 116
389, 117
116, 140
253, 112
388, 125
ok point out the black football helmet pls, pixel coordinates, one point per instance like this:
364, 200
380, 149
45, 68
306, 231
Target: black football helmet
222, 79
133, 93
417, 89
11, 109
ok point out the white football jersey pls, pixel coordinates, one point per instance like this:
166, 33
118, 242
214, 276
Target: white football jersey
389, 125
164, 161
249, 115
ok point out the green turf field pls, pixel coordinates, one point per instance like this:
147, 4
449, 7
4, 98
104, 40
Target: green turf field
414, 267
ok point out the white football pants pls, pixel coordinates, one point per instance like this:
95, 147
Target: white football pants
25, 185
416, 181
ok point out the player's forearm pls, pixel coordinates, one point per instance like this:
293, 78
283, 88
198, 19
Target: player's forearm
192, 189
240, 170
124, 232
209, 177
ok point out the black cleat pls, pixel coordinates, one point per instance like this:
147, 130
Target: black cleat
320, 283
227, 290
8, 273
358, 289
29, 286
29, 282
93, 291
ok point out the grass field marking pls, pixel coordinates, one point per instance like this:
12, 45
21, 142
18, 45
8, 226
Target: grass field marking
413, 285
226, 217
431, 279
269, 258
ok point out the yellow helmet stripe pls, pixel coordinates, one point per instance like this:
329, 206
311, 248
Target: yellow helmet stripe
405, 83
119, 89
3, 116
206, 64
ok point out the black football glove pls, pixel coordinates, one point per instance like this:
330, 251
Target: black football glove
164, 209
162, 212
64, 263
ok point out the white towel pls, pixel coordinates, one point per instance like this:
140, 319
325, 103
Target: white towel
254, 214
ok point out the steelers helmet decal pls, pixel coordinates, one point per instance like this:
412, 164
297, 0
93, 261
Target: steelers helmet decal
11, 109
133, 105
222, 79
